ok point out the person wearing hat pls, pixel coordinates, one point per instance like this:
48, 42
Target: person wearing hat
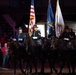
20, 36
21, 50
36, 32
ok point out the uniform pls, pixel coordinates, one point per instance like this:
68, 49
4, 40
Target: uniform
36, 36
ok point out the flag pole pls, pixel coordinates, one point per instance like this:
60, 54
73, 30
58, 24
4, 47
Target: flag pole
29, 23
28, 30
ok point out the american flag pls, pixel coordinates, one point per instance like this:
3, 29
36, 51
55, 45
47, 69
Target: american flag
32, 17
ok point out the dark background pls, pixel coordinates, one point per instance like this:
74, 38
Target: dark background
19, 11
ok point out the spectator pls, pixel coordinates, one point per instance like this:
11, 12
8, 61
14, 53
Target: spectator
5, 52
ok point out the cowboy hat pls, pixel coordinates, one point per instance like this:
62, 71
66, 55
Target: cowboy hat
35, 26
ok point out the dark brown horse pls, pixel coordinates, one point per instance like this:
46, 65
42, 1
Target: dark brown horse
73, 55
30, 53
18, 55
24, 55
63, 54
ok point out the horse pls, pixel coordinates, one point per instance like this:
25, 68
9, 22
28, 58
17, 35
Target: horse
30, 53
73, 55
18, 55
63, 54
52, 54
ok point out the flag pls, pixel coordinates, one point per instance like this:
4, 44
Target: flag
32, 21
59, 22
50, 18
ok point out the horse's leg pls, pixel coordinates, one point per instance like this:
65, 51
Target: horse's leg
73, 60
21, 65
25, 66
68, 65
73, 67
15, 67
68, 62
34, 63
30, 62
30, 67
52, 63
35, 67
54, 60
42, 59
49, 60
62, 63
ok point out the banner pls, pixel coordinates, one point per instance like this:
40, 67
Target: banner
50, 18
59, 22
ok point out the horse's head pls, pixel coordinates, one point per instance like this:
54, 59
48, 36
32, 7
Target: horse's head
29, 41
14, 45
58, 44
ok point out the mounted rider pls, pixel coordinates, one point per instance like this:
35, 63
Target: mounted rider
19, 38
